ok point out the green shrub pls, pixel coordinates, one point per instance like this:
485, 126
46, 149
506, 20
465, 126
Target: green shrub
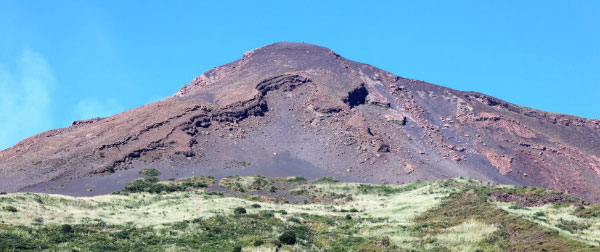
258, 242
296, 180
259, 183
122, 234
11, 209
140, 185
273, 189
385, 241
288, 238
239, 210
151, 185
237, 248
66, 229
328, 180
150, 172
255, 205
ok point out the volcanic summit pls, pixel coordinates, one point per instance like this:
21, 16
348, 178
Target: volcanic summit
299, 109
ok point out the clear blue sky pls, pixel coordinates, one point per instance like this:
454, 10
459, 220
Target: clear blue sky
68, 60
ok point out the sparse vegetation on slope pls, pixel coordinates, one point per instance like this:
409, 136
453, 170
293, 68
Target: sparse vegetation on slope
449, 215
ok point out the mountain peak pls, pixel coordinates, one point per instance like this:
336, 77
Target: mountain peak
289, 49
270, 60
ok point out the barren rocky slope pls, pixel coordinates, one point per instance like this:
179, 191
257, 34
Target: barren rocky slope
299, 109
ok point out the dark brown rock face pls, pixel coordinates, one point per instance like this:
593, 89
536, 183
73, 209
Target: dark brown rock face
299, 109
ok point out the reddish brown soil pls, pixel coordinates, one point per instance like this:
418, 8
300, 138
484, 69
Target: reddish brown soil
317, 113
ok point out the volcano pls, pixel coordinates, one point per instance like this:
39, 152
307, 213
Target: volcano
299, 109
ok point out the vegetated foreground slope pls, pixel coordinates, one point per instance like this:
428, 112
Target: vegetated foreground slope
294, 214
298, 109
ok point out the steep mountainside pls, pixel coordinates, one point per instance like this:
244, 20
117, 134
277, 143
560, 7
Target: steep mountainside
299, 109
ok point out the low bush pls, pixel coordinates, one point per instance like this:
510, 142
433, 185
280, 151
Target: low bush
327, 180
66, 229
273, 189
11, 209
151, 185
258, 242
288, 238
239, 210
296, 180
150, 172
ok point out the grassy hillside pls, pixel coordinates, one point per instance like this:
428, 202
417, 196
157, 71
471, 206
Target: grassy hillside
293, 214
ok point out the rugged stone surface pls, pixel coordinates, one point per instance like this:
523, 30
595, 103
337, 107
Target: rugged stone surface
300, 109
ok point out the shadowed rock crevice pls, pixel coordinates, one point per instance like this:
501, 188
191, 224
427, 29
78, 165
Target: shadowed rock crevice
357, 97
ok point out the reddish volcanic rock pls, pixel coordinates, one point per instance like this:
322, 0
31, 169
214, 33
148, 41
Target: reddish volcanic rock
322, 115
